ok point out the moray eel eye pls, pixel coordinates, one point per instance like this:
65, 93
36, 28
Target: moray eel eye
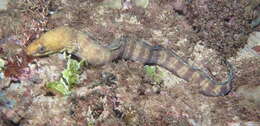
41, 49
37, 49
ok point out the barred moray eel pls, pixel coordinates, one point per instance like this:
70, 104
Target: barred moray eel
83, 45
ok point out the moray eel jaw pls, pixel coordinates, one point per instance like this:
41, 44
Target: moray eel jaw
39, 49
56, 40
73, 41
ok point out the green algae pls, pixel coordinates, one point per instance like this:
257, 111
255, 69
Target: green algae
152, 72
70, 77
2, 64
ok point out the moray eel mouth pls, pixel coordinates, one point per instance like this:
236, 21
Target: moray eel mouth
57, 40
38, 49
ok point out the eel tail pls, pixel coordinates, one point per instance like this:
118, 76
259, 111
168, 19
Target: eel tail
157, 55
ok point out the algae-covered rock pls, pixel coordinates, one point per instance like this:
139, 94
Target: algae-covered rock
117, 4
254, 3
141, 3
250, 93
255, 22
114, 4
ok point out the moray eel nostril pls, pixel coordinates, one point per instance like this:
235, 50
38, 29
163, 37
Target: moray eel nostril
68, 39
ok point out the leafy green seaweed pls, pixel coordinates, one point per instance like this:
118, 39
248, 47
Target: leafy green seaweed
2, 64
71, 74
151, 71
70, 77
59, 86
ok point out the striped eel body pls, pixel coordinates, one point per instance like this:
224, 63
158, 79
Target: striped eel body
81, 44
156, 55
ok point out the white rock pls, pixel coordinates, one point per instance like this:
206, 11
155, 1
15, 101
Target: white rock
248, 51
3, 4
254, 39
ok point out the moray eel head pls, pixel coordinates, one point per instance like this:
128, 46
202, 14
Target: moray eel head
56, 40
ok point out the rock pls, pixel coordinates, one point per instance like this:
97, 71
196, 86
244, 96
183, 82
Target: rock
252, 48
141, 3
250, 93
254, 42
254, 39
4, 82
114, 4
3, 4
255, 22
118, 4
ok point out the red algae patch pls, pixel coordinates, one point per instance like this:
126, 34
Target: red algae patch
15, 67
